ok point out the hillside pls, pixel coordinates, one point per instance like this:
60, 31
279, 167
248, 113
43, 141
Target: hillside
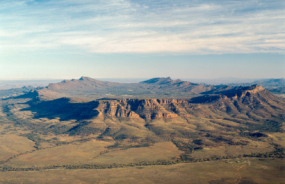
44, 129
4, 93
271, 82
244, 108
276, 86
84, 83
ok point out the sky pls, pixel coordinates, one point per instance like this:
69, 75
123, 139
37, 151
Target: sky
64, 39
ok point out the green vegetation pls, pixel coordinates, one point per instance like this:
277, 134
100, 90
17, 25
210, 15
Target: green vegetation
188, 148
122, 146
35, 138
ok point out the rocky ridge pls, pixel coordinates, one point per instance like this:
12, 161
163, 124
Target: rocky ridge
238, 101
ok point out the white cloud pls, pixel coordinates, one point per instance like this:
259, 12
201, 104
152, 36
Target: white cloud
121, 26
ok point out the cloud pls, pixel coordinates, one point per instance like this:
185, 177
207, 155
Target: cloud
124, 26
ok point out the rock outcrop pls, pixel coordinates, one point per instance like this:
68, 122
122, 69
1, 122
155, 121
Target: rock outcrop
236, 101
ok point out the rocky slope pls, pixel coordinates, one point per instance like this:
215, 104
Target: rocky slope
253, 103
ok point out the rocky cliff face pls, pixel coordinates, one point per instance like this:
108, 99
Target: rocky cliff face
250, 107
135, 108
245, 100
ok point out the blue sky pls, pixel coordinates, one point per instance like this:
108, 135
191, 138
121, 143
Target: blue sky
142, 39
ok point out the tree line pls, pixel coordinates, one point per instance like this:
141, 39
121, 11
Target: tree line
185, 158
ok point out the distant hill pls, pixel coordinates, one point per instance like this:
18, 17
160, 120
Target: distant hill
276, 86
4, 93
219, 81
152, 88
10, 84
271, 83
165, 81
84, 83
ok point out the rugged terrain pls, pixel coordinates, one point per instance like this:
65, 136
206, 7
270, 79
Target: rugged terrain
57, 128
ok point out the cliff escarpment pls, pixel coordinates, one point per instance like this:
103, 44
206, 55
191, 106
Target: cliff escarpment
213, 118
249, 102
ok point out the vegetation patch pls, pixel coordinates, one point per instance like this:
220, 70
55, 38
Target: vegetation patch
122, 146
83, 129
35, 138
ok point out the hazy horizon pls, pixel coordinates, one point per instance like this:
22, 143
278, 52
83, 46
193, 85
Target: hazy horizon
9, 84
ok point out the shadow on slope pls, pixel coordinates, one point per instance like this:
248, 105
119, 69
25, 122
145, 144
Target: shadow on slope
205, 99
63, 108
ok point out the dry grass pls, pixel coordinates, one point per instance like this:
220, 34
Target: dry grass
278, 138
95, 152
11, 145
252, 147
159, 151
208, 152
67, 154
267, 171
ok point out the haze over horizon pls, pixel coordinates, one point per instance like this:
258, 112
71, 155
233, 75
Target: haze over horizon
48, 39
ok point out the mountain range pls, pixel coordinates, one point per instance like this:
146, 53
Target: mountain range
92, 124
246, 108
149, 88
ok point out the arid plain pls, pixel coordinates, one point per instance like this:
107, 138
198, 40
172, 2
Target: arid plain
157, 131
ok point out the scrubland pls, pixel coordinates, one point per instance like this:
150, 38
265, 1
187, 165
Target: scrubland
235, 136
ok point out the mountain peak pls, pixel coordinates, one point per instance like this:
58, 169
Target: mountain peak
242, 91
158, 80
85, 78
168, 81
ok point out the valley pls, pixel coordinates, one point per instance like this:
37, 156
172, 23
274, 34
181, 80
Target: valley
65, 128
